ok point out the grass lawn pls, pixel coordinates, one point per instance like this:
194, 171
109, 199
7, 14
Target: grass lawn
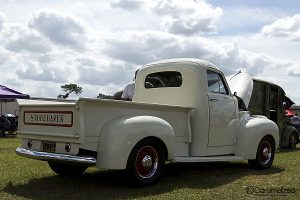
22, 178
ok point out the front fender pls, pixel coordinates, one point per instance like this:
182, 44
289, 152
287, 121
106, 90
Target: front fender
251, 131
119, 136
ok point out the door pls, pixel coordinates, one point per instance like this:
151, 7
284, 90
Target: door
222, 112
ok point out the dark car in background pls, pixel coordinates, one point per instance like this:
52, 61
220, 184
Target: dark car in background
269, 99
8, 124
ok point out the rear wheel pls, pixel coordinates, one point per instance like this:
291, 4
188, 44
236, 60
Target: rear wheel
264, 155
293, 141
67, 169
146, 163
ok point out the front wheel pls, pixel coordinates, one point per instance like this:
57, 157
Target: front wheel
293, 141
264, 155
146, 163
66, 169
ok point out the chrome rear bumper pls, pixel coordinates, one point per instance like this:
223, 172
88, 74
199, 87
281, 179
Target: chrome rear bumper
55, 157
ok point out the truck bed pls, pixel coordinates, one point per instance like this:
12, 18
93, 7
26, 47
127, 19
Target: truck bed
81, 122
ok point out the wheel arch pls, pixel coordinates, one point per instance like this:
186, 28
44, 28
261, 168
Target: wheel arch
119, 136
252, 133
160, 142
273, 140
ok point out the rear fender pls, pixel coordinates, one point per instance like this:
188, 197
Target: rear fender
119, 136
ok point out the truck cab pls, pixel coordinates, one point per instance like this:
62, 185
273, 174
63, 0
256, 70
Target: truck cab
203, 88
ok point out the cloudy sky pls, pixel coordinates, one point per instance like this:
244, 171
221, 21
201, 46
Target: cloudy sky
98, 44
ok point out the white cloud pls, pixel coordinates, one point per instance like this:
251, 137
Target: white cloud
86, 61
147, 46
60, 28
138, 47
20, 38
103, 74
3, 56
294, 70
58, 67
129, 5
34, 71
2, 18
239, 20
187, 17
287, 28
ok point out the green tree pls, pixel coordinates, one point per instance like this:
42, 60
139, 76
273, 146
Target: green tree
69, 88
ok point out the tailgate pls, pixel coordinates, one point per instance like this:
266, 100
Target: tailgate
45, 120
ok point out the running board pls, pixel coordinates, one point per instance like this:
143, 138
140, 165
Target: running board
207, 159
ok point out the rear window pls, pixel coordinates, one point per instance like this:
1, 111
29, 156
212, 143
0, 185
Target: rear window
163, 79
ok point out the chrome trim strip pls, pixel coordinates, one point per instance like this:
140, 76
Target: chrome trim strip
55, 157
48, 134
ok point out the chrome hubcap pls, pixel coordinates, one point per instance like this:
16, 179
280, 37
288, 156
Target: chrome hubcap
146, 162
265, 152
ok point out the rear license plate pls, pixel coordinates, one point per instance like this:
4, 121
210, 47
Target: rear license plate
49, 147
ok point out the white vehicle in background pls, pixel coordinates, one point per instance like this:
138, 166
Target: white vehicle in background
182, 111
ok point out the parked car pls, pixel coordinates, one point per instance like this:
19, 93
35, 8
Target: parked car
8, 124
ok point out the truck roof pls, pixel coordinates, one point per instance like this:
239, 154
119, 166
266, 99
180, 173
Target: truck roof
190, 72
200, 62
265, 81
268, 82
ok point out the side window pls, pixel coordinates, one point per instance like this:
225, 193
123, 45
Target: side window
163, 79
215, 83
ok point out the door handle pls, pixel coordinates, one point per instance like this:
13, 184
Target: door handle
214, 100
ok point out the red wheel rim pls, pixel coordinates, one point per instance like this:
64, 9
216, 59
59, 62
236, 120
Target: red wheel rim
265, 152
146, 162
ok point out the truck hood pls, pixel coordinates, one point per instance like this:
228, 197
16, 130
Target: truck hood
241, 84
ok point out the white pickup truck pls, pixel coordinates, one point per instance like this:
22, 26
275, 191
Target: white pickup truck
182, 111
